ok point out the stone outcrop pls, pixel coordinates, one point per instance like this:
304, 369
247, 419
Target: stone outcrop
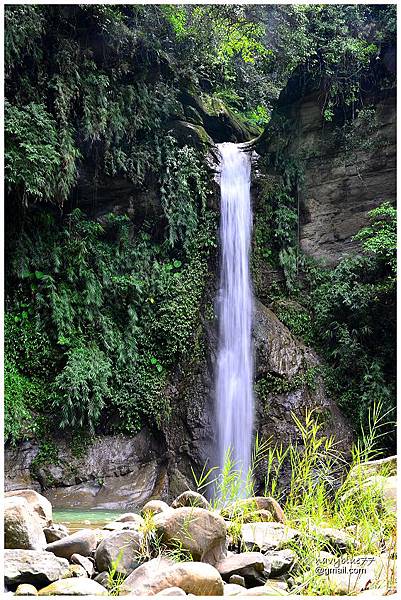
267, 536
117, 472
114, 472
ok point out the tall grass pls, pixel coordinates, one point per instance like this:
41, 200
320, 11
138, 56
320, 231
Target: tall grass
317, 492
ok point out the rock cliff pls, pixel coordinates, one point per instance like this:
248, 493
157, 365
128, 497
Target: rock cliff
346, 168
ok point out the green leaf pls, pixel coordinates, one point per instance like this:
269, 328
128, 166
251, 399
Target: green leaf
39, 274
177, 263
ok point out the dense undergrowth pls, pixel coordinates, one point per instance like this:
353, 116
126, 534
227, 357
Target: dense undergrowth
102, 312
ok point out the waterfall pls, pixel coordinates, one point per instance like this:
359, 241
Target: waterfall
234, 307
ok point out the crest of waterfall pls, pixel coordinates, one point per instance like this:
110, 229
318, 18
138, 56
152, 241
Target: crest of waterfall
235, 404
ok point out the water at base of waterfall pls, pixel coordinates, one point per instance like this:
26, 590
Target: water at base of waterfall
235, 404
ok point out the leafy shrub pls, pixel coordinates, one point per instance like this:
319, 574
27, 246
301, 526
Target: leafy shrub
82, 387
33, 158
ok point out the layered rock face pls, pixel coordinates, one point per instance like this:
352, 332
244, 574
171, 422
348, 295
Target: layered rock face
344, 175
111, 473
340, 189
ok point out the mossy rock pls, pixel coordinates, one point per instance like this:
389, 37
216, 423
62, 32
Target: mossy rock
190, 134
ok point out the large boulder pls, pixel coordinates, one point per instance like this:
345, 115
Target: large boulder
30, 566
199, 531
22, 526
81, 542
155, 507
40, 505
121, 549
190, 498
74, 587
195, 578
252, 566
337, 540
267, 536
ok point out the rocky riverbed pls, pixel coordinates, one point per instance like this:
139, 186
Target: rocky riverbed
187, 548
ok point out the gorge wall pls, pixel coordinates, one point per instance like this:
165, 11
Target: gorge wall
346, 169
340, 185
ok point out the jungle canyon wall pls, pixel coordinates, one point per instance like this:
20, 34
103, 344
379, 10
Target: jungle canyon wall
336, 195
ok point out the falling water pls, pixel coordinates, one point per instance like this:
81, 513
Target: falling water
234, 361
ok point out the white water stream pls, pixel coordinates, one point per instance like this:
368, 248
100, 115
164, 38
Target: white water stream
234, 359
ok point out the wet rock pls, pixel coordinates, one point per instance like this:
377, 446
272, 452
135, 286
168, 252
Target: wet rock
40, 505
82, 542
31, 566
172, 591
155, 507
121, 549
267, 536
55, 532
85, 562
190, 498
128, 465
252, 566
185, 132
26, 589
22, 526
199, 531
195, 578
281, 561
74, 587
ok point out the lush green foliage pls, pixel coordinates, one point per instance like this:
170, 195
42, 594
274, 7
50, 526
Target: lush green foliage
97, 301
348, 314
101, 313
